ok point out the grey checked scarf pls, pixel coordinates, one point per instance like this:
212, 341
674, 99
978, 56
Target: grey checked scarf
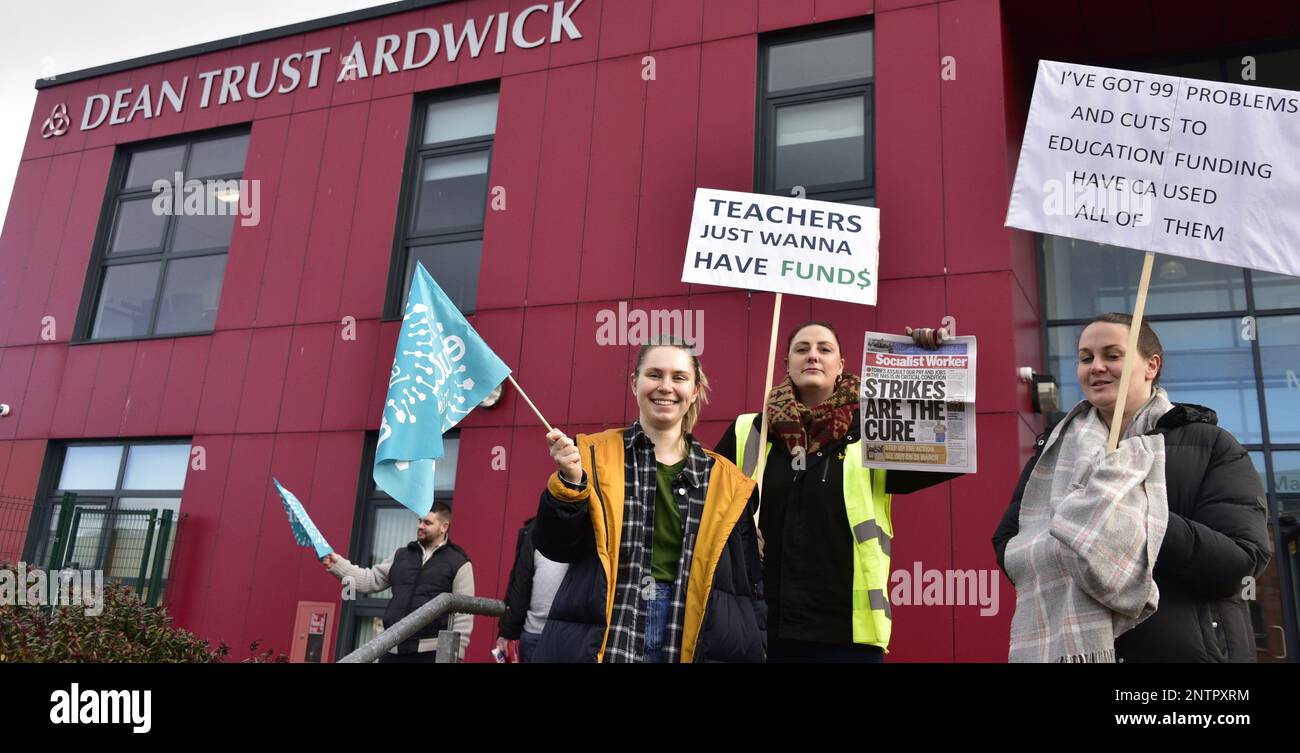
635, 585
1091, 524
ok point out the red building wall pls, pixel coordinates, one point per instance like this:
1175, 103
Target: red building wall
599, 168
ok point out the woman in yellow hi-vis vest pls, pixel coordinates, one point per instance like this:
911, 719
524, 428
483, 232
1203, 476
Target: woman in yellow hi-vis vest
825, 520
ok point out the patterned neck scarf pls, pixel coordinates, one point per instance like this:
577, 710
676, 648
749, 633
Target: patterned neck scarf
816, 427
1091, 525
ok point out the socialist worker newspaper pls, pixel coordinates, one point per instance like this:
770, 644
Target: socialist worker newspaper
918, 405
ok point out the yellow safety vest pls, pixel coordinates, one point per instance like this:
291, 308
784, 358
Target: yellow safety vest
867, 506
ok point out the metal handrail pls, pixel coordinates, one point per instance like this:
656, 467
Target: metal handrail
413, 622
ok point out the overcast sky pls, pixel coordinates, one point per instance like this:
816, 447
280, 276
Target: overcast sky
71, 35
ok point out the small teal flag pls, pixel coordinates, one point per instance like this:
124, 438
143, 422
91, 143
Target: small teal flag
304, 531
441, 370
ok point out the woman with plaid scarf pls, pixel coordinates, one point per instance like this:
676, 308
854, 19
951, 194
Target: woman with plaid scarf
1144, 553
658, 531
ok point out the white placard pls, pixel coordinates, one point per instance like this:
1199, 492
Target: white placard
1178, 166
818, 249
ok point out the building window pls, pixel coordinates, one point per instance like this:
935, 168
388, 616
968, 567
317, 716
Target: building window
382, 526
444, 196
815, 115
160, 255
121, 491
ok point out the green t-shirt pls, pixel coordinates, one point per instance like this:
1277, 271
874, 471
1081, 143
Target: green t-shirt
667, 547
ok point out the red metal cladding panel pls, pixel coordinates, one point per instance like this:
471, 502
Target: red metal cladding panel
333, 495
725, 152
676, 22
401, 83
381, 369
70, 96
239, 107
529, 465
233, 571
545, 364
148, 378
507, 234
204, 112
439, 73
558, 222
306, 97
78, 237
600, 357
829, 10
795, 310
917, 301
883, 6
167, 121
587, 18
43, 252
729, 18
613, 179
977, 186
331, 223
16, 240
370, 242
74, 391
709, 433
1028, 343
536, 27
306, 381
35, 414
291, 225
668, 174
223, 382
112, 382
489, 63
103, 131
923, 630
6, 447
502, 330
782, 14
717, 321
24, 469
351, 368
478, 509
278, 103
264, 376
15, 376
355, 76
251, 245
1268, 20
626, 31
852, 322
180, 393
139, 102
196, 545
1196, 26
984, 621
982, 305
909, 148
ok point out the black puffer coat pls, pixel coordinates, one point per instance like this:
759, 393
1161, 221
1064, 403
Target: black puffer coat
1216, 539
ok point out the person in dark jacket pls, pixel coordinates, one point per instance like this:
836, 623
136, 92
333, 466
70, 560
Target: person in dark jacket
534, 579
658, 531
1216, 535
825, 520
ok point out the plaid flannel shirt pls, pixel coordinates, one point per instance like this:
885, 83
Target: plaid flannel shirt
635, 585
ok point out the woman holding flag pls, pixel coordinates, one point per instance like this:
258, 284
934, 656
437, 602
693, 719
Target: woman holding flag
1140, 554
658, 531
825, 519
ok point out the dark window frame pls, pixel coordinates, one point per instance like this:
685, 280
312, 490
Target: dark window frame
404, 236
101, 259
368, 499
768, 104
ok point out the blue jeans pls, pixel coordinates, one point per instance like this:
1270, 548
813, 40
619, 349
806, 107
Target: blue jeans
527, 645
656, 622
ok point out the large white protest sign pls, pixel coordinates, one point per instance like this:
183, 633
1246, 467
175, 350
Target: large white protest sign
818, 249
1178, 166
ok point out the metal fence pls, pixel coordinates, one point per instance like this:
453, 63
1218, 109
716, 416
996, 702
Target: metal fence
133, 547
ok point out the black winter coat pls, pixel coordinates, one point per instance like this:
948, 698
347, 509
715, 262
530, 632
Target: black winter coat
519, 591
1216, 539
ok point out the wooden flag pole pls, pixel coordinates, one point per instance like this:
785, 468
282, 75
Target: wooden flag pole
767, 393
524, 395
1130, 353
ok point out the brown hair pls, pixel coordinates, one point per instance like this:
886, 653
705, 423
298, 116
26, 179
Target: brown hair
812, 323
1148, 344
442, 510
702, 381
